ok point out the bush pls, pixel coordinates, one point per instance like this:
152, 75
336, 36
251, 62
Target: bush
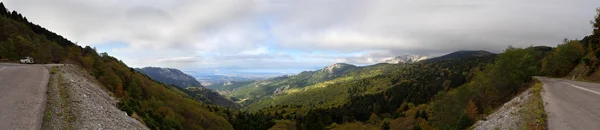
53, 70
564, 59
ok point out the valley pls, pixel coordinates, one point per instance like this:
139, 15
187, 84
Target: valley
378, 83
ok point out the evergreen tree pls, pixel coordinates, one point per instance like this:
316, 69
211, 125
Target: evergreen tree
594, 39
3, 10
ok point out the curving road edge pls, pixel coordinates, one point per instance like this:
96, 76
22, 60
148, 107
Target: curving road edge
571, 105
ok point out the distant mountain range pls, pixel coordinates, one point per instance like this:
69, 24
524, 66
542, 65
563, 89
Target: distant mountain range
210, 80
405, 59
262, 93
170, 76
253, 93
187, 84
462, 54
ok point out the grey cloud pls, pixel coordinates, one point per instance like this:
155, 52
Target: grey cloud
441, 25
374, 29
259, 57
154, 24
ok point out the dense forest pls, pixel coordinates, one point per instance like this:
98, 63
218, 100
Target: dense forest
159, 106
449, 92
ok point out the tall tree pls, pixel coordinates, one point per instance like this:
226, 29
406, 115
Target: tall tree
596, 23
3, 10
563, 59
595, 38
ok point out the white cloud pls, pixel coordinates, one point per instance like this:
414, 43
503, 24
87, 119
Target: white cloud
264, 33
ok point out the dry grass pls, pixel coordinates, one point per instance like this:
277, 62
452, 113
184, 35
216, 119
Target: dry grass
66, 103
534, 113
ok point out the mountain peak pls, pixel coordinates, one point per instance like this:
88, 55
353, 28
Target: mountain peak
405, 59
337, 66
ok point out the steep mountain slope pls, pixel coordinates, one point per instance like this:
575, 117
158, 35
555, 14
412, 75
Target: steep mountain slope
188, 85
157, 105
76, 101
170, 76
405, 59
439, 94
210, 97
265, 88
227, 87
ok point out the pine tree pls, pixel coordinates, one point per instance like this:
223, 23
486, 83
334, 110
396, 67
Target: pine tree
3, 10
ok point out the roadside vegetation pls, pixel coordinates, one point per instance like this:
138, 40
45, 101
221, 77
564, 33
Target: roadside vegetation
450, 93
533, 113
155, 103
58, 113
587, 69
491, 87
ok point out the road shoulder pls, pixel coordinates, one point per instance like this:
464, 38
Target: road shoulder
525, 111
76, 101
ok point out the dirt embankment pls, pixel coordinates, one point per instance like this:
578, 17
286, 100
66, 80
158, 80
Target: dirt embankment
76, 101
525, 111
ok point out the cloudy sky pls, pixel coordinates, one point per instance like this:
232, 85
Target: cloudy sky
289, 36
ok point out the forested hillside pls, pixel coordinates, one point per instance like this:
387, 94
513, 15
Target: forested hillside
486, 87
157, 105
589, 52
228, 86
263, 89
187, 84
170, 76
448, 92
426, 79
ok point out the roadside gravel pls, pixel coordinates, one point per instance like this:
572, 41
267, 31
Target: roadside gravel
76, 101
508, 117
